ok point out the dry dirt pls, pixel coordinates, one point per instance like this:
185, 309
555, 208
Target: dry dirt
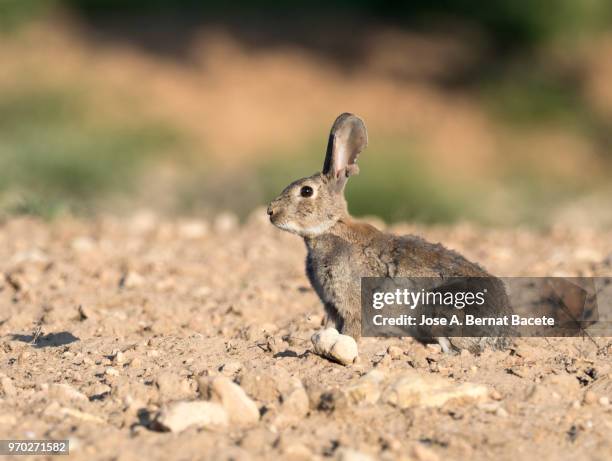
132, 314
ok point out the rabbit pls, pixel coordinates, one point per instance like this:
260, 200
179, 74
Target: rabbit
341, 250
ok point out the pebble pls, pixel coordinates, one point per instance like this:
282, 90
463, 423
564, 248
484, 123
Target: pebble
501, 412
260, 386
192, 229
180, 415
421, 453
110, 371
395, 352
230, 368
173, 387
331, 344
604, 401
590, 397
241, 409
347, 454
65, 392
295, 405
119, 358
297, 451
414, 389
323, 340
367, 388
131, 280
6, 386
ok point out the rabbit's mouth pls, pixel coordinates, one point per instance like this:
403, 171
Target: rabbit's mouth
277, 218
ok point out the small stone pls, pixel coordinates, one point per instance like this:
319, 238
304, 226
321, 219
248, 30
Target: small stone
173, 387
323, 340
7, 387
367, 388
136, 362
239, 406
110, 371
180, 415
395, 352
501, 412
495, 395
131, 280
414, 389
604, 401
295, 405
590, 397
422, 453
489, 407
260, 386
119, 358
83, 416
65, 392
192, 229
347, 454
297, 451
331, 344
100, 389
230, 368
385, 361
332, 400
344, 350
7, 419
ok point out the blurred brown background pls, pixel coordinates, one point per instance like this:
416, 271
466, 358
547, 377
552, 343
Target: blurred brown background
493, 112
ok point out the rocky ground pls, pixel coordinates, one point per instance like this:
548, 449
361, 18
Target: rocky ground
148, 338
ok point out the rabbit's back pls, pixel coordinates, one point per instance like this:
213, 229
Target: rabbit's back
338, 260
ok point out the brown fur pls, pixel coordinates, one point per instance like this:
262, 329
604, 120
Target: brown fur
341, 250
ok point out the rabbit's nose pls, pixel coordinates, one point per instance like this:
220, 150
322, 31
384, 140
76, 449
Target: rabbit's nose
270, 210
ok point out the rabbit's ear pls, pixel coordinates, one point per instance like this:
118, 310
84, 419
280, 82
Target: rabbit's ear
348, 137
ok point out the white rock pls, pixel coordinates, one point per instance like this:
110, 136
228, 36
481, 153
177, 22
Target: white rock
193, 229
331, 344
323, 340
414, 389
110, 371
119, 358
180, 415
6, 386
346, 454
367, 389
65, 392
132, 279
395, 352
344, 350
239, 406
422, 453
297, 452
295, 405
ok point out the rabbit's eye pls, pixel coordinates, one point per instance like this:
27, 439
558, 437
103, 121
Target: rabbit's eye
306, 191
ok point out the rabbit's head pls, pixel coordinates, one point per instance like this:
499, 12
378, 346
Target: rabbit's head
310, 206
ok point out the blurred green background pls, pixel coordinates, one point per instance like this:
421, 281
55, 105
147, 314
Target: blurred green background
494, 112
